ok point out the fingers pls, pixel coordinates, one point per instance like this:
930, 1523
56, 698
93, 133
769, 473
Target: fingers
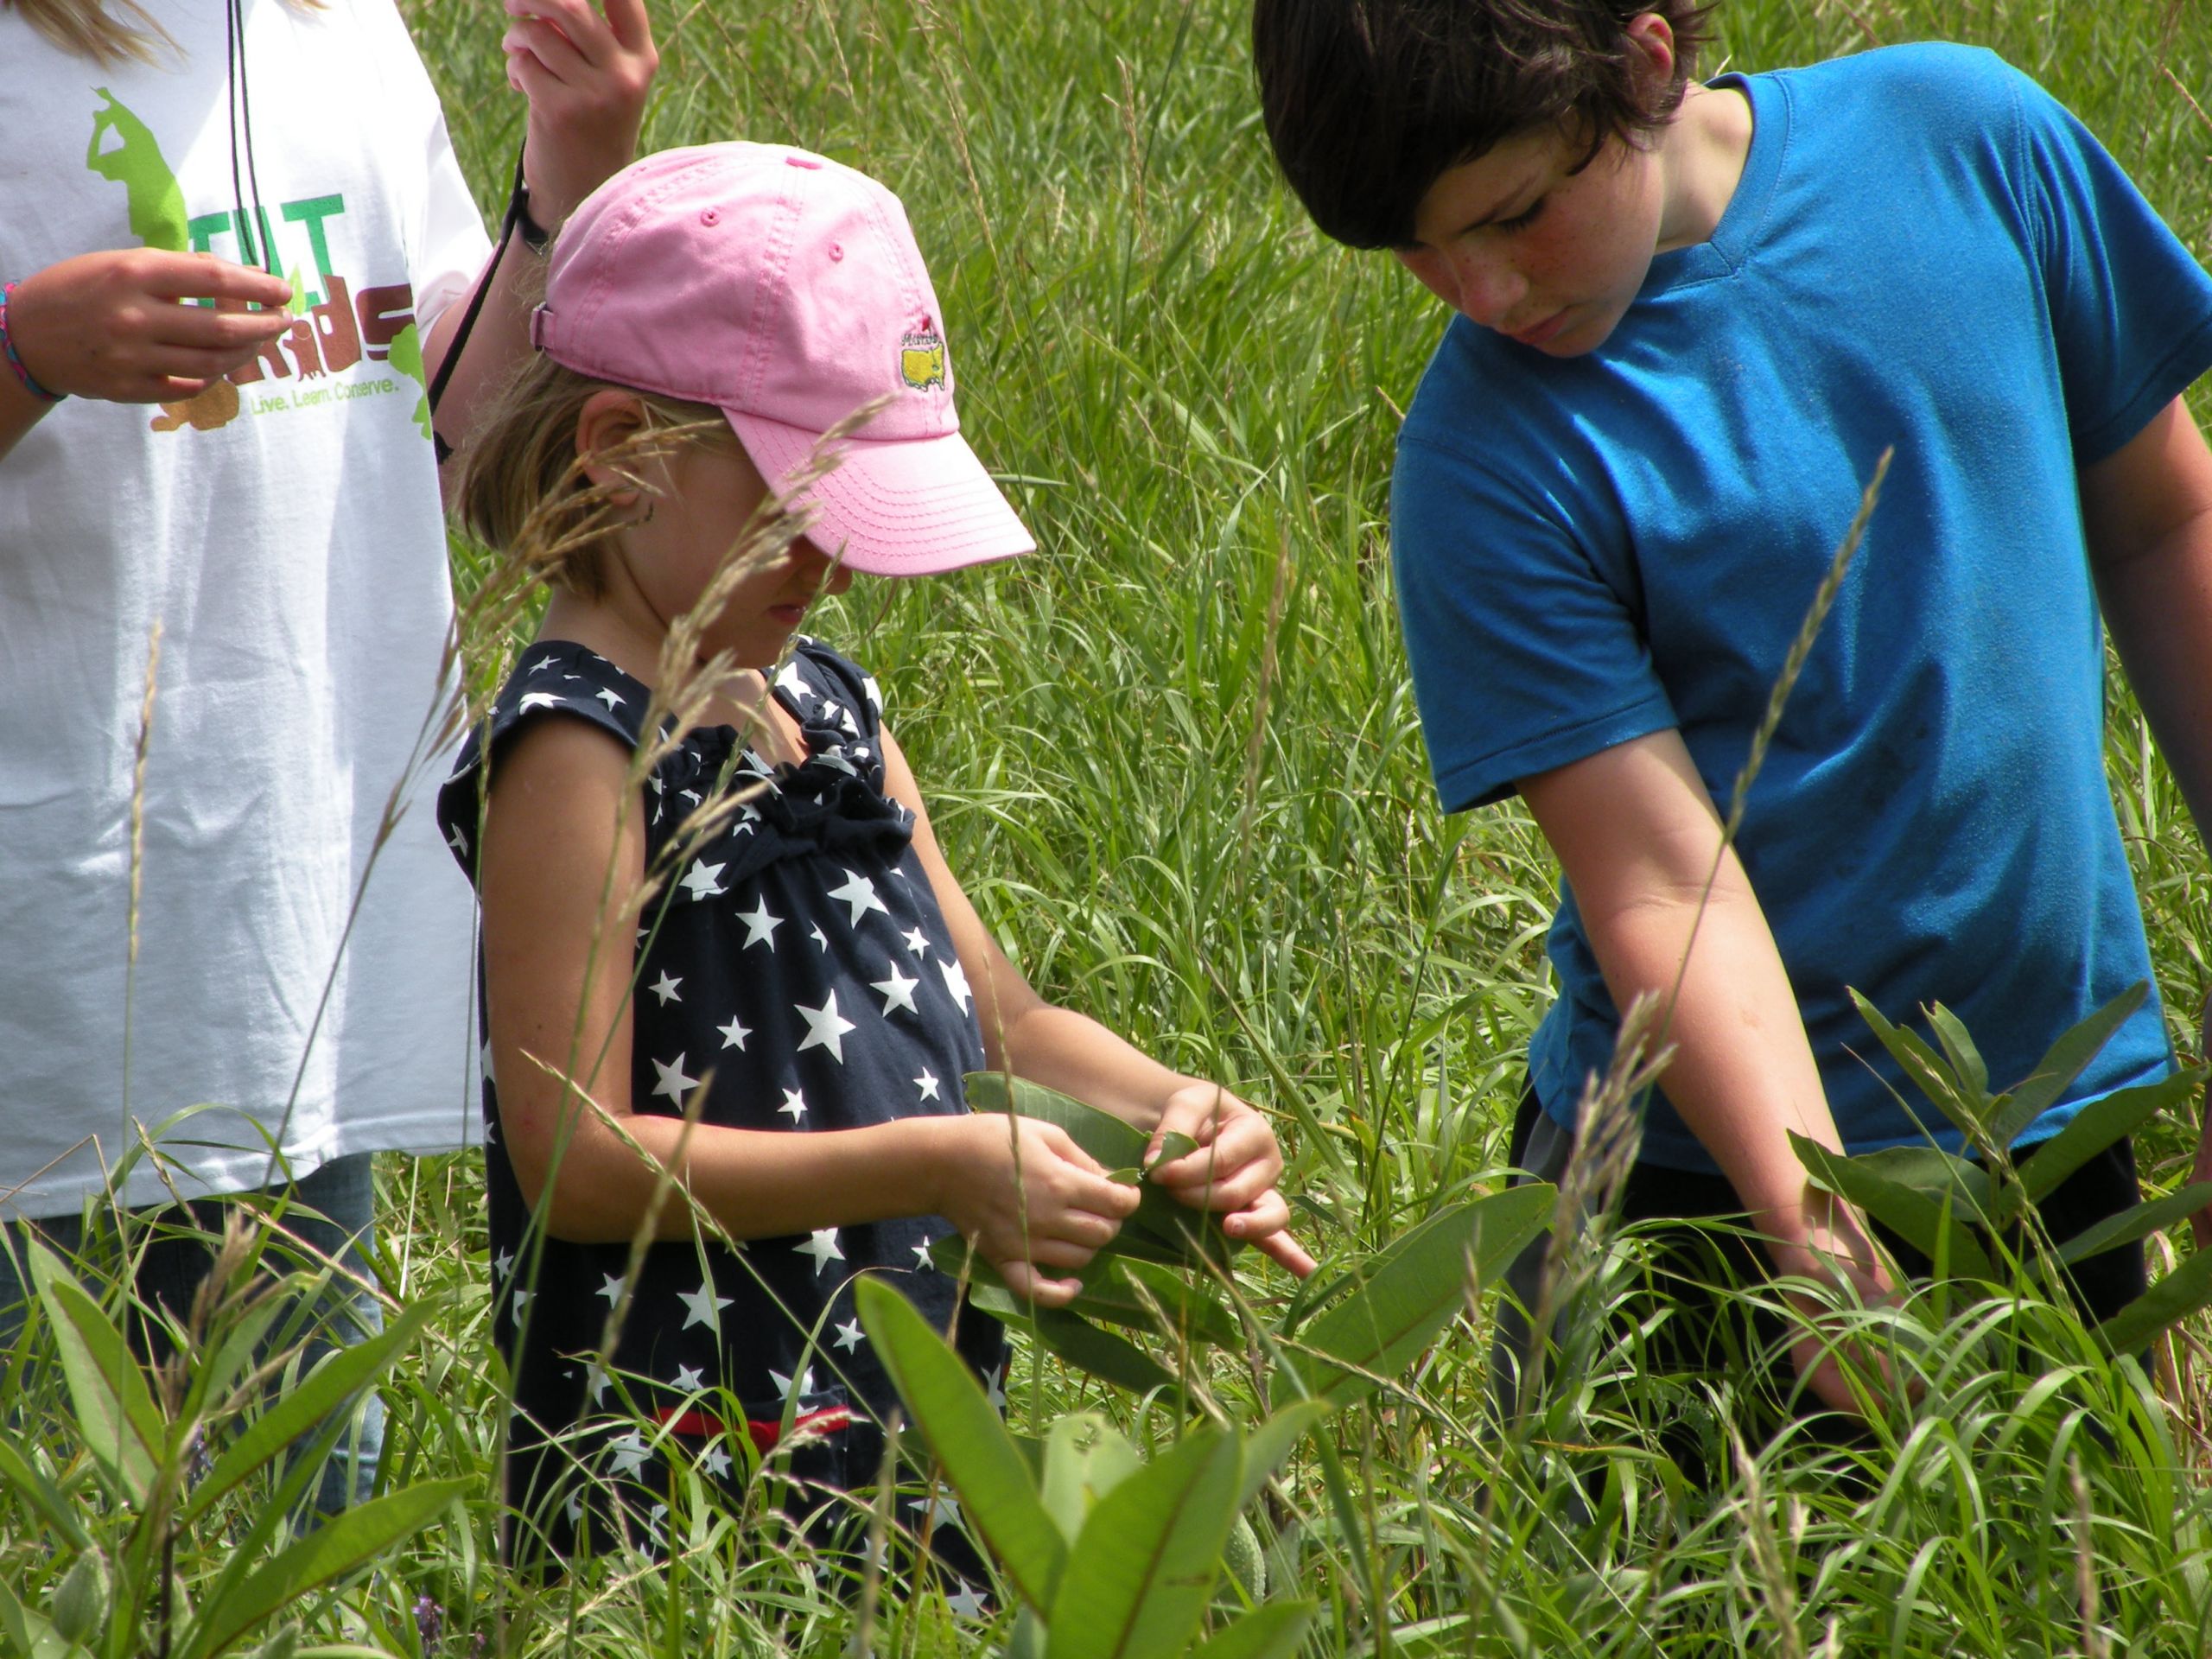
1286, 1251
1025, 1280
204, 277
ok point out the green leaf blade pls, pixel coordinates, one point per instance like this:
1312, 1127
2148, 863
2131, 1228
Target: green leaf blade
980, 1458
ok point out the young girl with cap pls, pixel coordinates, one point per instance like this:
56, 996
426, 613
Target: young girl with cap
781, 948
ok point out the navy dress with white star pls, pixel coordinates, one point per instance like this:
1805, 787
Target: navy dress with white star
799, 958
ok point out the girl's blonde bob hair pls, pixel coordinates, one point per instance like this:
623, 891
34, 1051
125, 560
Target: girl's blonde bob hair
109, 32
523, 487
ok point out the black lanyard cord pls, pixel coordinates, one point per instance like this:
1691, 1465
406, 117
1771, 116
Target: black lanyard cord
518, 218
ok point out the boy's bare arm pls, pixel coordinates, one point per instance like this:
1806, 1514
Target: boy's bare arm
1637, 834
2147, 511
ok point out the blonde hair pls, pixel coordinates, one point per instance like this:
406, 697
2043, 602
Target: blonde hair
524, 488
109, 32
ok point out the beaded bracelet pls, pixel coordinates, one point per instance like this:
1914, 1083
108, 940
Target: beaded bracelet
8, 346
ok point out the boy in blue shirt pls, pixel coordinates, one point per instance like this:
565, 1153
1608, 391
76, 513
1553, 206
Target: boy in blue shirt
1690, 319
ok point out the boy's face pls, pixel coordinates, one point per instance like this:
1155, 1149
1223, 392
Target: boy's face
1518, 242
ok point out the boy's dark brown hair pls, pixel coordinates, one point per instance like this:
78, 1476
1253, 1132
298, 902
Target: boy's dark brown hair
1368, 102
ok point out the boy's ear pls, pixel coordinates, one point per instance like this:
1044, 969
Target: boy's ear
1651, 37
608, 419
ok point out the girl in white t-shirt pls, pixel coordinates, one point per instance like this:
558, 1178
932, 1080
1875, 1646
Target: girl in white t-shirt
258, 485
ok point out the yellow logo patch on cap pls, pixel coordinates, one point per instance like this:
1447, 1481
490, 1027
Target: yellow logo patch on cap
921, 359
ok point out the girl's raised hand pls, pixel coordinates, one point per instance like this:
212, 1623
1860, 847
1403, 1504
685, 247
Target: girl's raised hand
1234, 1169
119, 325
1029, 1199
586, 73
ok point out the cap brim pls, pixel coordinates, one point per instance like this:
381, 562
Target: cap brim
907, 507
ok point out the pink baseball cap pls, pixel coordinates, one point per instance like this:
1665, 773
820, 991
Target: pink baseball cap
786, 291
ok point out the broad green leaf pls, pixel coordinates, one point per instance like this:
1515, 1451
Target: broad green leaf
2097, 1125
2138, 1221
1139, 1577
123, 1429
980, 1458
1128, 1292
1266, 1447
1083, 1346
1967, 1064
27, 1632
1923, 1067
1912, 1215
2055, 1071
20, 1472
342, 1545
335, 1379
1085, 1457
1936, 1174
1270, 1632
1173, 1145
1162, 1230
2168, 1301
1414, 1287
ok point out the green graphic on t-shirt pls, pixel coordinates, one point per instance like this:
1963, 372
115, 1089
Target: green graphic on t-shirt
157, 206
407, 358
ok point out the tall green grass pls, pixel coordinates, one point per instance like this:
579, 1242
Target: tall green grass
1217, 835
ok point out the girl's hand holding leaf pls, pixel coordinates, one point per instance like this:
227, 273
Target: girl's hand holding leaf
1030, 1200
1215, 1152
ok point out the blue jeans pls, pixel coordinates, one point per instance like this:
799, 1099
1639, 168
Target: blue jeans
331, 1215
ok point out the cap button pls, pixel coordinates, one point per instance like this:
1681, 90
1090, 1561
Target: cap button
710, 215
836, 249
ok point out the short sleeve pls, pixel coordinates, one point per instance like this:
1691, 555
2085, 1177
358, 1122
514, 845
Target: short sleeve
2130, 308
1525, 655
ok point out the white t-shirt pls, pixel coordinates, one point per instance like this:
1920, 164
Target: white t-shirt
285, 532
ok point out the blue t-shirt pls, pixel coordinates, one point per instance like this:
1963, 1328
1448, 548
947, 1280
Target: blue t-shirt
1925, 252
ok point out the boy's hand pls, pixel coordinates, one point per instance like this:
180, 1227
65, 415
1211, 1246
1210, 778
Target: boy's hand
116, 325
1823, 1239
1029, 1198
1234, 1169
586, 75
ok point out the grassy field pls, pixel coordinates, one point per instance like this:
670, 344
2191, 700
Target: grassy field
1175, 758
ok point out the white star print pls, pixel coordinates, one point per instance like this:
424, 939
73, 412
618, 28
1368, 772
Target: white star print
760, 927
705, 881
543, 662
704, 1307
613, 1287
628, 1454
822, 1244
831, 709
794, 1104
897, 991
734, 1035
502, 1262
672, 1081
522, 1299
715, 1461
924, 1262
539, 699
849, 1336
859, 893
818, 937
689, 1379
599, 1383
791, 681
927, 1084
939, 1508
834, 756
956, 981
825, 1028
664, 988
917, 942
993, 1386
612, 699
966, 1602
458, 841
783, 1383
691, 795
874, 692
